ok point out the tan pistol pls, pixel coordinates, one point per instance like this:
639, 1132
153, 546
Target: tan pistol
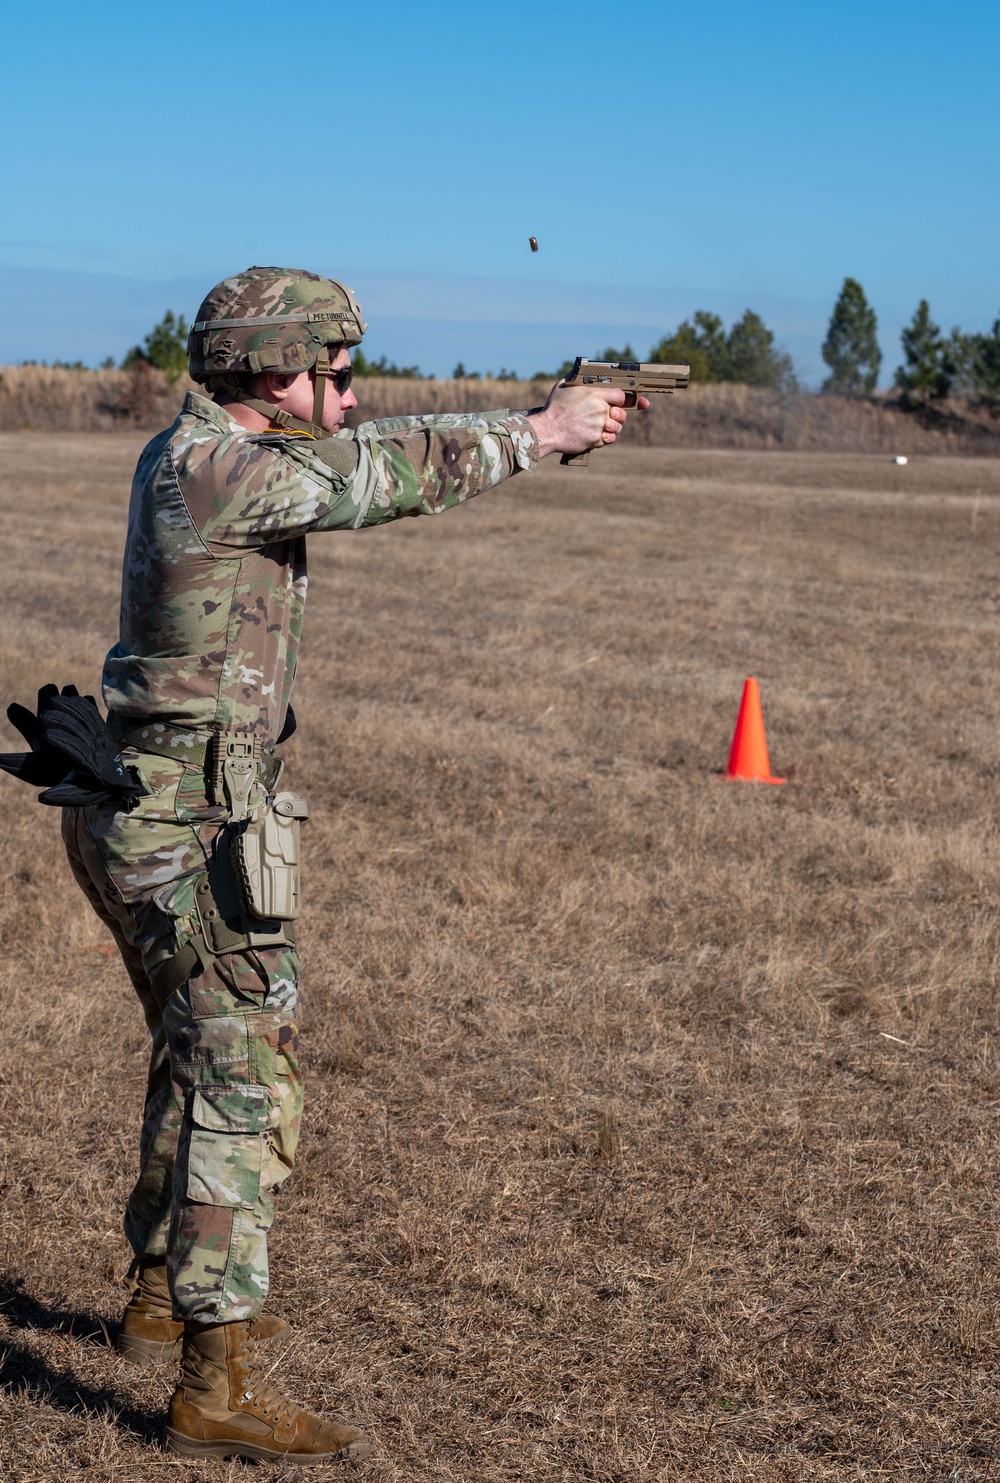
635, 379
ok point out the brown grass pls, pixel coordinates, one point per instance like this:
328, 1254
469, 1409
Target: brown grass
58, 400
727, 416
652, 1121
747, 417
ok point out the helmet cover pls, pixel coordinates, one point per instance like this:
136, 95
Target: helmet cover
271, 319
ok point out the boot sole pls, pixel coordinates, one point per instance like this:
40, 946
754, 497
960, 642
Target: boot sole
194, 1447
148, 1352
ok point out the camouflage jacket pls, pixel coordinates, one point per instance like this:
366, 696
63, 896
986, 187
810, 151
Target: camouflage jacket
214, 578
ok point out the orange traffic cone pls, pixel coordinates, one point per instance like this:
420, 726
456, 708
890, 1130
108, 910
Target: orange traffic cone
748, 759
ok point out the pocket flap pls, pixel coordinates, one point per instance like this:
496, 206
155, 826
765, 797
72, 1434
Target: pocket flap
237, 1108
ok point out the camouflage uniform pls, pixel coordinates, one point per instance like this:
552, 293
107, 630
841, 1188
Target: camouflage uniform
213, 592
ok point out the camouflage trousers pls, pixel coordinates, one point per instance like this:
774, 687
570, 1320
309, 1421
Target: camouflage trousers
224, 1092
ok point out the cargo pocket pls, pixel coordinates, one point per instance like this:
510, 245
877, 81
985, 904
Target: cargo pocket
227, 1144
167, 922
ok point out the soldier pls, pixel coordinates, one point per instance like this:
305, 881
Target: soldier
197, 880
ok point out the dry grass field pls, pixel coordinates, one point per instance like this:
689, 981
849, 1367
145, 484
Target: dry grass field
716, 416
653, 1121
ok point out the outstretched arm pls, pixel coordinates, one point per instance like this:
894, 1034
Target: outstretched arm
263, 487
574, 418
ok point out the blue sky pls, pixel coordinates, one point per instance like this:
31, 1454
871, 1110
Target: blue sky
667, 158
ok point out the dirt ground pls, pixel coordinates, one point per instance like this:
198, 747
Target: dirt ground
652, 1121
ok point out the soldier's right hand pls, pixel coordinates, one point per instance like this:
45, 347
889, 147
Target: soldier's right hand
576, 418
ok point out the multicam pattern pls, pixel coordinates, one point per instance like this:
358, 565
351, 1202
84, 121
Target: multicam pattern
214, 579
224, 1091
213, 593
287, 341
237, 1090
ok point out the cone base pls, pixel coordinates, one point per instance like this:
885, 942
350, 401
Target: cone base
736, 777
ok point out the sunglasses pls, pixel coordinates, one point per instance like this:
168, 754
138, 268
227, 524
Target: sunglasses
342, 378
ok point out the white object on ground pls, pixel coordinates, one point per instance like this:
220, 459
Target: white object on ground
901, 458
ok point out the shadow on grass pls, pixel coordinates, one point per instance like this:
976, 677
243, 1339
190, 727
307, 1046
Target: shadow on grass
23, 1372
25, 1312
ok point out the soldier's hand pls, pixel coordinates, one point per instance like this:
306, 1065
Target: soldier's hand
576, 418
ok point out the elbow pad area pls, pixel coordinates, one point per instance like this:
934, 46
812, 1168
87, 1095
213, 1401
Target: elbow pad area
340, 454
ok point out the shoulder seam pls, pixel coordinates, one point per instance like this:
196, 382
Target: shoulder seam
187, 509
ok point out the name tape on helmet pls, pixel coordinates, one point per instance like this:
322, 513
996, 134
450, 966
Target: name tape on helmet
318, 317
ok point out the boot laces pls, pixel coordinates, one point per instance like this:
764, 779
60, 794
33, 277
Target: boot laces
258, 1391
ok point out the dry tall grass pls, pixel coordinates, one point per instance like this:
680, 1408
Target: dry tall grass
38, 397
652, 1122
51, 398
725, 416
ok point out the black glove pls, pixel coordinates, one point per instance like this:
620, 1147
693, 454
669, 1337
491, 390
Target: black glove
73, 754
43, 765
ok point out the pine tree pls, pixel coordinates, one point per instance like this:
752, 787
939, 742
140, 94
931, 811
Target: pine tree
973, 362
986, 366
927, 373
165, 347
683, 348
702, 345
851, 346
753, 358
960, 353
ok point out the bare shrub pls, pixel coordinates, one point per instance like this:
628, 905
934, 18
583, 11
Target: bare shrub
142, 390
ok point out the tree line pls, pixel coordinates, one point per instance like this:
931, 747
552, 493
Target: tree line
934, 366
746, 353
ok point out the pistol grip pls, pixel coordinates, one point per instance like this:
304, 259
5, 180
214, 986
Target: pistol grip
576, 458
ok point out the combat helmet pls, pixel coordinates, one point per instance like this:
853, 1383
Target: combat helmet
273, 319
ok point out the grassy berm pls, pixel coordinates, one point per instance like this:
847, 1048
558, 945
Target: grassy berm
652, 1121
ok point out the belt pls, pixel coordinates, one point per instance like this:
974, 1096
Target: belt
156, 737
201, 750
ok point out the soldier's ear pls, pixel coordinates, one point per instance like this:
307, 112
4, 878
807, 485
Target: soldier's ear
278, 382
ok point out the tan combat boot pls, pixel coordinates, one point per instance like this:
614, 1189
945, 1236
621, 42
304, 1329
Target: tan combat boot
224, 1406
149, 1333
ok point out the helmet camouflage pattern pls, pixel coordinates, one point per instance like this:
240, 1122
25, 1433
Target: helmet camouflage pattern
271, 319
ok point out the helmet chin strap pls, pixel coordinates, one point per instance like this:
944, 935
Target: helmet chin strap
278, 417
321, 372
